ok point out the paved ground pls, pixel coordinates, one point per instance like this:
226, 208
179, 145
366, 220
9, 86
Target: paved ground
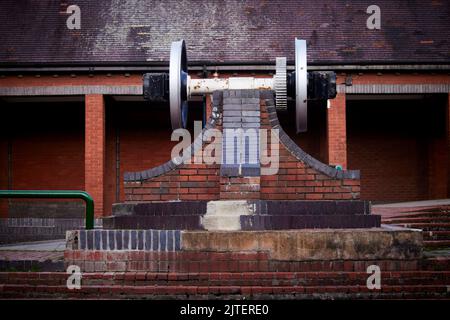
47, 255
50, 245
39, 256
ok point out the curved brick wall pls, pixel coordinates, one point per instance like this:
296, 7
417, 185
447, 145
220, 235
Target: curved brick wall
171, 181
300, 176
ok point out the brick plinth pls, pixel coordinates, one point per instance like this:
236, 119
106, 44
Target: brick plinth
297, 177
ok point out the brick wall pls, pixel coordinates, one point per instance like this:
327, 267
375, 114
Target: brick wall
399, 148
140, 132
175, 182
188, 182
296, 180
313, 142
438, 152
47, 147
240, 188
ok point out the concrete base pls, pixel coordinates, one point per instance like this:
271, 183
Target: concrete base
383, 243
313, 244
226, 215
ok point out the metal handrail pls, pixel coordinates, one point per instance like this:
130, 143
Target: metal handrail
56, 194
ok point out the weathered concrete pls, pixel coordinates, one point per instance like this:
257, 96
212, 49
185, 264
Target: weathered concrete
225, 215
313, 244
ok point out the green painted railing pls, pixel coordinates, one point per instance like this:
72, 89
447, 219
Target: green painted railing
56, 194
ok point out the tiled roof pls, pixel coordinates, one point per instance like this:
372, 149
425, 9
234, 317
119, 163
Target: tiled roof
216, 31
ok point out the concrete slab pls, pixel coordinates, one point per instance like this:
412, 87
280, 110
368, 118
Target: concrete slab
387, 242
226, 215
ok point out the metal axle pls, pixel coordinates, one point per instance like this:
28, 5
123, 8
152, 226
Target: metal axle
178, 86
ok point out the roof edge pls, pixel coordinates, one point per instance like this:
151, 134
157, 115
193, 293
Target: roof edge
216, 67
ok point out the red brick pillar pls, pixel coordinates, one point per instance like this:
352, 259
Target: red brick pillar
337, 132
4, 176
448, 143
94, 156
208, 106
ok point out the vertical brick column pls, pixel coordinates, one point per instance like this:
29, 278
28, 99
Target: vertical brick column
208, 106
94, 157
337, 131
448, 143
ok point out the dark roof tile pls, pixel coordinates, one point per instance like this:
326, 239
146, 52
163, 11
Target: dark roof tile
217, 31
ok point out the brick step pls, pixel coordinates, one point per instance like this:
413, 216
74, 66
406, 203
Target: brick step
183, 292
304, 221
436, 264
402, 220
255, 222
230, 279
272, 207
214, 261
161, 222
436, 235
436, 243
